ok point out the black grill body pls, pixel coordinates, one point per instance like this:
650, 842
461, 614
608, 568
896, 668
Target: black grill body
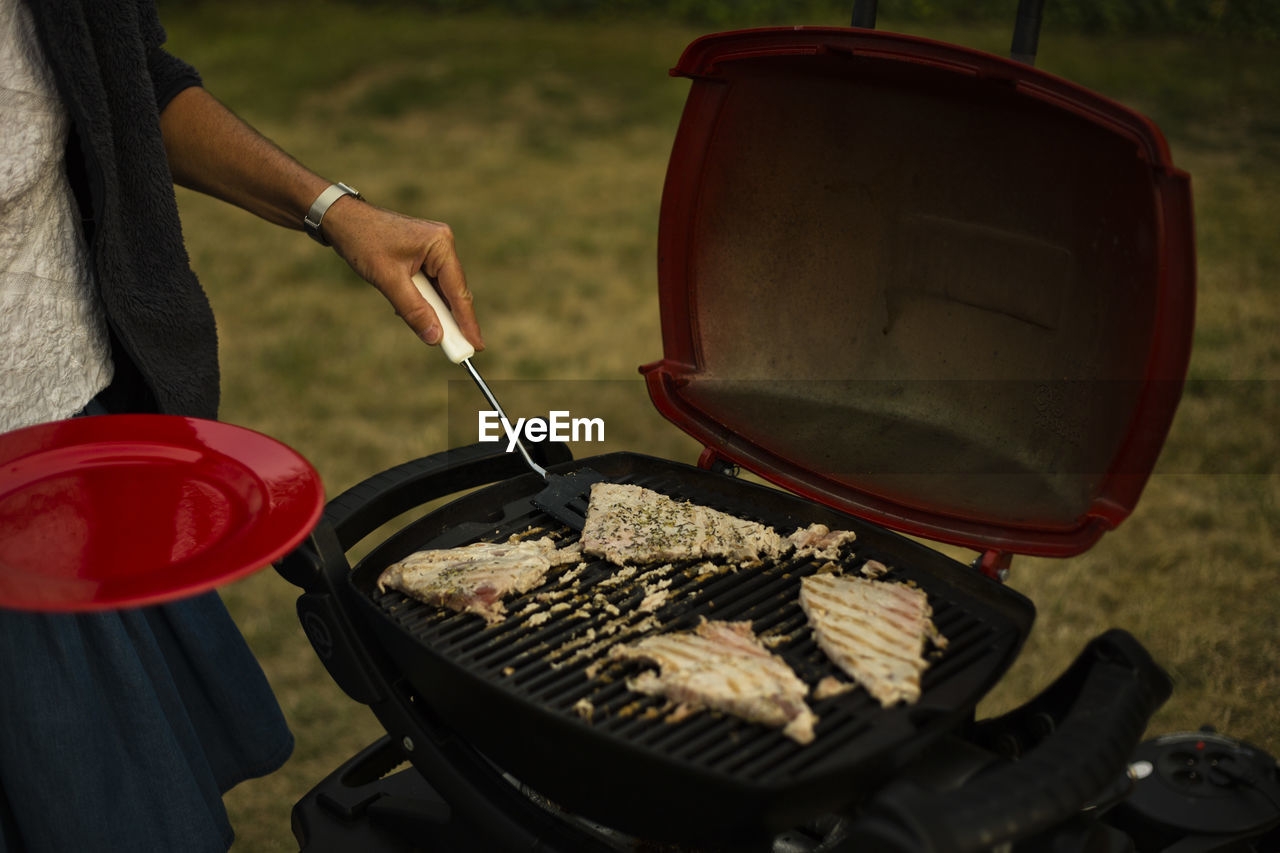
484, 713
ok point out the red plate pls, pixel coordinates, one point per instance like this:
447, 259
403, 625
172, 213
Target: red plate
127, 510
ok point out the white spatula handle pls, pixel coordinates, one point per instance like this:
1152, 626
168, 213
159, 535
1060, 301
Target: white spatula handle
456, 347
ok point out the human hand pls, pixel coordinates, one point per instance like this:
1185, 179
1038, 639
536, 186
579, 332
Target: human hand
386, 248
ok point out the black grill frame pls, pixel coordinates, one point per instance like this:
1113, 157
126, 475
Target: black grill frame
710, 776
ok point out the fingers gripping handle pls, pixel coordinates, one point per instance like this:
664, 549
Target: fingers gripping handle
456, 347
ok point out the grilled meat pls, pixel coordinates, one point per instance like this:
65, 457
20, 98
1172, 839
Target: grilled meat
874, 569
830, 686
631, 524
873, 630
475, 578
817, 541
723, 666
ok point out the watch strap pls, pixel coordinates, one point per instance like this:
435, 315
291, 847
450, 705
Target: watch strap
319, 207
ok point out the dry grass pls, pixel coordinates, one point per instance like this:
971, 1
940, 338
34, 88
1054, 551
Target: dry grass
544, 145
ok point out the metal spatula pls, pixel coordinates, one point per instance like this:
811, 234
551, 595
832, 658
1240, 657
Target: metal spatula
565, 495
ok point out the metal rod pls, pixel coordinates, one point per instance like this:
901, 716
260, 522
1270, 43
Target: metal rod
506, 424
1026, 31
864, 14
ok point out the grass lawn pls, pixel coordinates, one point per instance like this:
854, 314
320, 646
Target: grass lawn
544, 145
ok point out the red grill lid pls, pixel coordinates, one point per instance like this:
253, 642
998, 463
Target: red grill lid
935, 288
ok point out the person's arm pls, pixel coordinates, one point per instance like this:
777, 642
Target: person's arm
213, 151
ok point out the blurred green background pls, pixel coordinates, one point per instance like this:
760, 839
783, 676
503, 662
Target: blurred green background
540, 132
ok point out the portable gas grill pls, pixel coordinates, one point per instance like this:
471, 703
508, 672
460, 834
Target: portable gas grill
916, 286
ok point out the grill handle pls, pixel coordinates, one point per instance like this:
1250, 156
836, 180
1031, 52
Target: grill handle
1069, 744
366, 506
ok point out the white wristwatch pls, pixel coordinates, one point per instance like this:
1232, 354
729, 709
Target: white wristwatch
319, 207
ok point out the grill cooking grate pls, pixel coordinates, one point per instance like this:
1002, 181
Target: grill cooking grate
555, 634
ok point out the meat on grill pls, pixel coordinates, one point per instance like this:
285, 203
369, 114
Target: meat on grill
723, 666
632, 524
817, 541
830, 686
475, 578
873, 630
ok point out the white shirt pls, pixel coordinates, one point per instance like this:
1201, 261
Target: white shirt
55, 354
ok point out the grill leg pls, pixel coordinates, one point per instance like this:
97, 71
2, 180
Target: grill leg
359, 807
